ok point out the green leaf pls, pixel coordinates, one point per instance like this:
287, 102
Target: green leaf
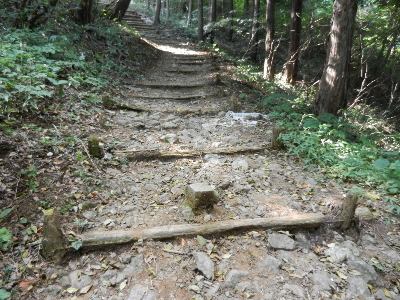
76, 244
4, 294
23, 220
5, 212
201, 240
381, 163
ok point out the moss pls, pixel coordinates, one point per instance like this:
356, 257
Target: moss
108, 103
94, 147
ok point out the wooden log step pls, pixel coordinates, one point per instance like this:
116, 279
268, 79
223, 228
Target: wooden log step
173, 97
171, 85
152, 154
112, 237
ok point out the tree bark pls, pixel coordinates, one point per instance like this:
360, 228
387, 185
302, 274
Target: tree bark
292, 66
200, 30
253, 45
230, 16
157, 13
117, 9
85, 11
246, 7
334, 84
269, 69
167, 14
190, 8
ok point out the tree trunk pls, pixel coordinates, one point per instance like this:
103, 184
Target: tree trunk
253, 45
334, 84
148, 4
213, 11
246, 7
167, 9
85, 11
117, 9
269, 69
200, 30
230, 16
292, 66
157, 13
189, 18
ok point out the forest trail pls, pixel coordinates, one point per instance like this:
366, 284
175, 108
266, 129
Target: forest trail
180, 106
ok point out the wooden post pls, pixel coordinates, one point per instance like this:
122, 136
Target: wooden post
348, 211
276, 144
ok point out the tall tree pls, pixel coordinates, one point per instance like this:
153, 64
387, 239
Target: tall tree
334, 85
230, 16
269, 69
116, 9
253, 44
157, 13
292, 66
200, 24
190, 8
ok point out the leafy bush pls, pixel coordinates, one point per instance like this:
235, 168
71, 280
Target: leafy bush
36, 66
349, 152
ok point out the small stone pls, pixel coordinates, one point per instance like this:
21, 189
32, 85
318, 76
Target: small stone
269, 264
204, 264
169, 125
322, 279
240, 164
295, 289
357, 288
140, 292
233, 277
368, 272
281, 241
79, 280
343, 251
302, 241
125, 258
274, 167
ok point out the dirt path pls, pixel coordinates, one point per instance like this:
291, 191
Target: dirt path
187, 110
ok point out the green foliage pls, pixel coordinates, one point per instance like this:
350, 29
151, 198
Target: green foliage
5, 238
36, 67
6, 212
30, 173
4, 295
344, 150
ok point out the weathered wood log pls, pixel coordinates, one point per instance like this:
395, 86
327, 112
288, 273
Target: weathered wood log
349, 206
178, 110
54, 244
98, 238
155, 153
276, 143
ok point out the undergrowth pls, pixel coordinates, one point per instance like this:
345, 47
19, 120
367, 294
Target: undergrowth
356, 149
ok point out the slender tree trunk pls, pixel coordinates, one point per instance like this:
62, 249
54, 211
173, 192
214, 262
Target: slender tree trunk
157, 13
269, 69
292, 66
246, 7
167, 8
212, 17
213, 11
189, 18
230, 16
334, 84
85, 11
200, 30
148, 4
253, 45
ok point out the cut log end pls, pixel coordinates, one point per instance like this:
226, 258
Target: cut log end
349, 206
